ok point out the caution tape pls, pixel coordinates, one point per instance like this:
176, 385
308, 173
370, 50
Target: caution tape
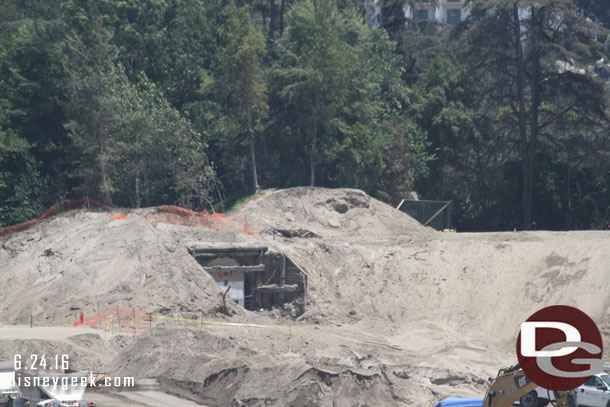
235, 324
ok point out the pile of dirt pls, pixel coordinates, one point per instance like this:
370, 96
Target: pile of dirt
84, 261
397, 314
372, 262
258, 367
329, 212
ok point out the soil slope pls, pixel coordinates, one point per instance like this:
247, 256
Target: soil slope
397, 314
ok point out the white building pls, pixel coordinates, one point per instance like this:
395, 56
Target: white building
443, 11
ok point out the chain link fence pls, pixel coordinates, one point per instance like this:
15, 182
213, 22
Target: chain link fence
436, 214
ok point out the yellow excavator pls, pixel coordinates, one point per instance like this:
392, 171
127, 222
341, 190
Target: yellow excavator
510, 385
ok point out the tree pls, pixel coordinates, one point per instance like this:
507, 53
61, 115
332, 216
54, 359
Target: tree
35, 82
338, 106
92, 106
442, 103
131, 146
596, 10
387, 150
240, 87
155, 155
318, 77
529, 78
21, 189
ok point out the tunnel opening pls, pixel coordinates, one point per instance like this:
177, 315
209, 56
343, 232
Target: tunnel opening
256, 277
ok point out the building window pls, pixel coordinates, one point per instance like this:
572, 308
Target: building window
454, 16
421, 14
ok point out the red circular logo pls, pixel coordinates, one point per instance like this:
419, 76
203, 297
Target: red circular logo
559, 348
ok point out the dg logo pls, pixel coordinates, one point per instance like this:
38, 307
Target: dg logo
559, 348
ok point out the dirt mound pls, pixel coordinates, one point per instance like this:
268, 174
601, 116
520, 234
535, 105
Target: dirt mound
88, 262
397, 314
225, 366
329, 211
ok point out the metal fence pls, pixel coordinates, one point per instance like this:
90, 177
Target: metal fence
436, 214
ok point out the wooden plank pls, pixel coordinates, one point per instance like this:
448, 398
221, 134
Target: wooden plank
437, 213
219, 269
230, 249
215, 251
274, 288
205, 256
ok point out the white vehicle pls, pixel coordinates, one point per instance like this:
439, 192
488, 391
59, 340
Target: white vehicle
8, 391
54, 392
55, 403
594, 393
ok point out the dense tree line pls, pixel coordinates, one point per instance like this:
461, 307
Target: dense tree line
202, 102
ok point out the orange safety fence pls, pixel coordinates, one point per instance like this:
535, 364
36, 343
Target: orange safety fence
118, 320
119, 216
132, 322
165, 213
176, 215
59, 207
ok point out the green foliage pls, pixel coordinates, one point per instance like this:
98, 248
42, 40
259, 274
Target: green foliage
133, 147
92, 108
240, 88
155, 155
21, 189
146, 102
321, 79
527, 56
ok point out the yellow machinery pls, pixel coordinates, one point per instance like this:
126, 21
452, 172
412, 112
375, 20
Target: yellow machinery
511, 384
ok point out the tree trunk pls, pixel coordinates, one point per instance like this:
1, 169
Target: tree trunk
138, 198
146, 188
272, 15
570, 214
525, 197
535, 101
282, 9
103, 169
252, 155
312, 153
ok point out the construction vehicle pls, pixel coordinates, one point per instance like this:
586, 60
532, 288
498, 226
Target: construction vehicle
509, 386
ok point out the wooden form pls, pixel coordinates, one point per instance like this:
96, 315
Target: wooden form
245, 269
268, 280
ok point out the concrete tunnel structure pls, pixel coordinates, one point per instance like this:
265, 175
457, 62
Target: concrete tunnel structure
259, 278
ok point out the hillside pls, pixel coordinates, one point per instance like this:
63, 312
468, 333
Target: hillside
448, 304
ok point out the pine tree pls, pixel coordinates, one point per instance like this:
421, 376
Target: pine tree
527, 56
240, 87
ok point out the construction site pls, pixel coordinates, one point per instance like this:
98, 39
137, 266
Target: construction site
299, 297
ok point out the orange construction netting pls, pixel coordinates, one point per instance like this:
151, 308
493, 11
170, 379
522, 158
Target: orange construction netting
176, 215
59, 207
118, 320
165, 213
